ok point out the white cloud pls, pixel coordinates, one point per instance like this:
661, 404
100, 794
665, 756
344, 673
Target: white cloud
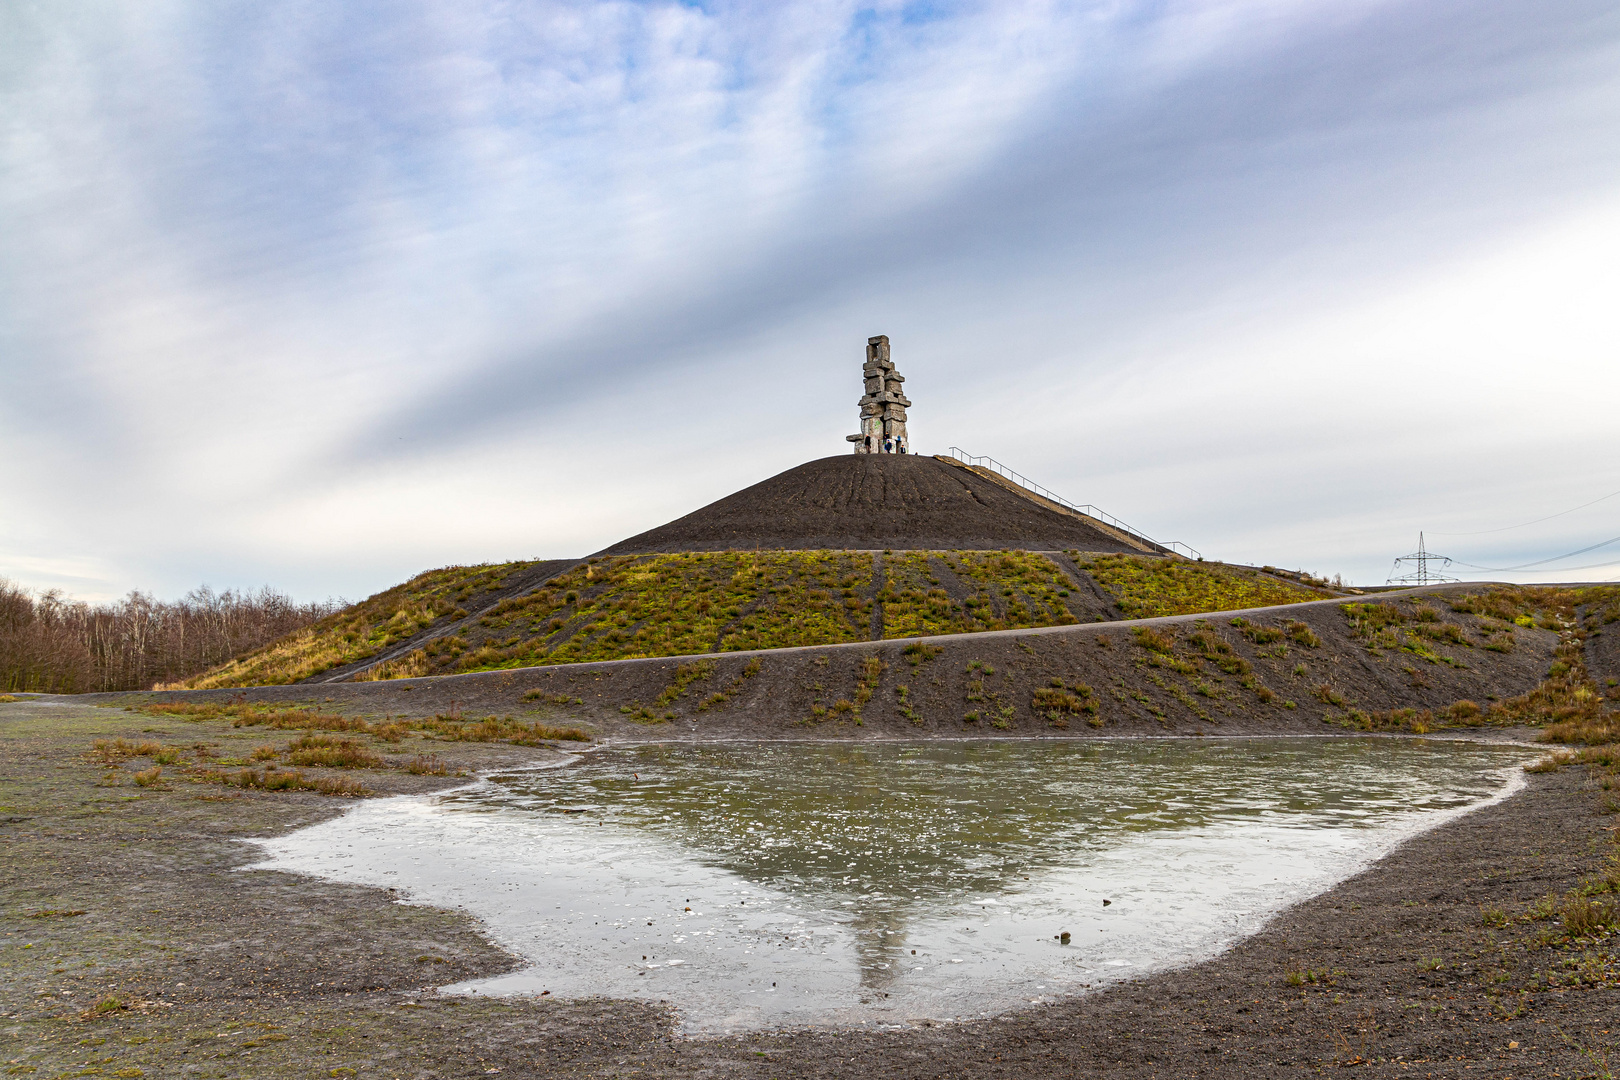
346, 293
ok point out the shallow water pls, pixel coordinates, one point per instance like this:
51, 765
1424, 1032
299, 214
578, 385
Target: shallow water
814, 883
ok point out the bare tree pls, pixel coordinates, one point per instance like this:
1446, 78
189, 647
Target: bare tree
51, 644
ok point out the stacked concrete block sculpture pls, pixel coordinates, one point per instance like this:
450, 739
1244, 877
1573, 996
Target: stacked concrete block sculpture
883, 407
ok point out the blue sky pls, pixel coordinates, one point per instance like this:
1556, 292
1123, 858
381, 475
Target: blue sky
323, 295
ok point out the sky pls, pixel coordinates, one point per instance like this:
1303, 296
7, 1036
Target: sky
322, 295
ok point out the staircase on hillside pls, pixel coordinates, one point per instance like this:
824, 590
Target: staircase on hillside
995, 471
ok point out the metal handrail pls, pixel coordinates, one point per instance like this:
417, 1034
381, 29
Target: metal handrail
1083, 508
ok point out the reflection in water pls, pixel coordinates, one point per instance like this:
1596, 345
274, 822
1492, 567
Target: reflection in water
892, 880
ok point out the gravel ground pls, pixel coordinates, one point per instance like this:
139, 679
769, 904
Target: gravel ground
129, 897
874, 501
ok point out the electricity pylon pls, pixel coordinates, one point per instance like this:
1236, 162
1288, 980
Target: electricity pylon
1422, 559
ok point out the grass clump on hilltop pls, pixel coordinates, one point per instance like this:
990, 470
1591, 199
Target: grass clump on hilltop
1147, 587
360, 631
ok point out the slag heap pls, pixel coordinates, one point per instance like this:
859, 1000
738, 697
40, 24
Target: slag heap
883, 407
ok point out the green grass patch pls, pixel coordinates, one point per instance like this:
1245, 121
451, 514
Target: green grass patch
1146, 587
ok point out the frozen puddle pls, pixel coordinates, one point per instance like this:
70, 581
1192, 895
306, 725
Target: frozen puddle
794, 884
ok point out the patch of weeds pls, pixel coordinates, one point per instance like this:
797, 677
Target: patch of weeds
730, 690
1192, 704
115, 750
903, 694
330, 752
642, 714
551, 698
1312, 976
427, 765
1301, 634
1260, 690
1219, 651
1416, 721
1004, 590
272, 779
452, 727
1147, 586
1057, 702
412, 665
872, 668
920, 653
1159, 640
685, 676
1329, 696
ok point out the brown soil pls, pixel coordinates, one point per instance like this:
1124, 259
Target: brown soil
874, 501
131, 894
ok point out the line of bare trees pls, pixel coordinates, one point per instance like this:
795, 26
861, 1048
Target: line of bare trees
52, 644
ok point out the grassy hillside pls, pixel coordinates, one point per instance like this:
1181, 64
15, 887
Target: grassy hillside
362, 630
619, 607
1146, 588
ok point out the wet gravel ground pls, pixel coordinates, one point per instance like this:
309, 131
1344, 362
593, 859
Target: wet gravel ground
131, 899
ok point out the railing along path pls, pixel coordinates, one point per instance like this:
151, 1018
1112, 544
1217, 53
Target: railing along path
1080, 508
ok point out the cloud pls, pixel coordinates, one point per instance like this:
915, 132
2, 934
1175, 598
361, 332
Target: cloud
350, 291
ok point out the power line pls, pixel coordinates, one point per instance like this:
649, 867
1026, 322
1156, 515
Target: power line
1544, 562
1538, 521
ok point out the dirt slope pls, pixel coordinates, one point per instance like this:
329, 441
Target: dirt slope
875, 501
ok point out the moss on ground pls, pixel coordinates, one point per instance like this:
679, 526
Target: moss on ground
1147, 587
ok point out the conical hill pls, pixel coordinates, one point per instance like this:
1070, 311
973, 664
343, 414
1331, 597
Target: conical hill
882, 501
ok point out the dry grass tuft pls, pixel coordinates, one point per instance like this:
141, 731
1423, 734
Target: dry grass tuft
1155, 639
273, 779
327, 752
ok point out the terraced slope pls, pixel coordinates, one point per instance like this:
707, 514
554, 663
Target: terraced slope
349, 639
876, 502
684, 603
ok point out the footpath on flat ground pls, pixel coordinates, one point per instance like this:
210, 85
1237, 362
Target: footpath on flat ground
133, 946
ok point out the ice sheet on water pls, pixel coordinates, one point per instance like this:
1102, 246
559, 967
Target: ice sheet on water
711, 876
